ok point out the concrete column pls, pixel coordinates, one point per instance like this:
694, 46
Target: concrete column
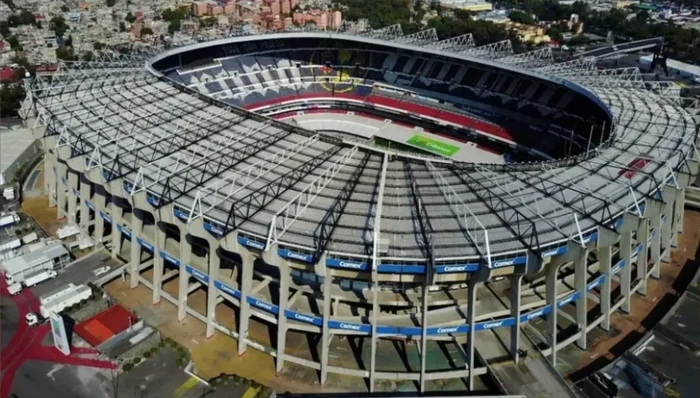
61, 186
552, 301
655, 221
50, 177
471, 313
424, 334
580, 284
116, 234
642, 257
326, 333
515, 301
626, 272
84, 209
247, 266
183, 277
135, 257
100, 202
283, 304
158, 264
374, 338
212, 291
678, 217
72, 197
605, 259
667, 229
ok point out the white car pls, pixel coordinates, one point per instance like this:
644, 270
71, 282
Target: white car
102, 270
31, 319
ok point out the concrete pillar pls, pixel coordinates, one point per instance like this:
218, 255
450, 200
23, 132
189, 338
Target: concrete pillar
626, 272
50, 187
678, 217
374, 338
655, 220
471, 314
135, 257
116, 215
667, 228
642, 257
72, 197
61, 186
605, 259
515, 301
247, 266
212, 291
183, 277
551, 278
424, 334
326, 333
158, 264
84, 209
283, 304
100, 202
580, 284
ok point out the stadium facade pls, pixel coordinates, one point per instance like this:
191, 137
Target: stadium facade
180, 156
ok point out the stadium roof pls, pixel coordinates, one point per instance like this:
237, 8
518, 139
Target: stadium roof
236, 171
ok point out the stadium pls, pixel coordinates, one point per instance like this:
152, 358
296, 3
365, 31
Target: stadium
351, 191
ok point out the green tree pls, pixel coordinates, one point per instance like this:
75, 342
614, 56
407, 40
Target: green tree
111, 3
521, 17
98, 46
130, 17
174, 26
64, 8
14, 43
122, 27
58, 25
69, 41
146, 31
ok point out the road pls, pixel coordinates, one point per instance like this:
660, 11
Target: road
78, 272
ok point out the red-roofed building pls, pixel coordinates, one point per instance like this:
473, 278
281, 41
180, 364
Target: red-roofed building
7, 73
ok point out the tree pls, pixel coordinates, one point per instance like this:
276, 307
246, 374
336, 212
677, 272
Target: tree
98, 46
69, 41
130, 17
14, 43
643, 16
5, 29
58, 25
87, 56
174, 26
111, 3
65, 53
521, 17
122, 27
64, 8
146, 31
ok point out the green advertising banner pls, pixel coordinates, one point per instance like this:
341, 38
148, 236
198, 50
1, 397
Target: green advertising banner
434, 146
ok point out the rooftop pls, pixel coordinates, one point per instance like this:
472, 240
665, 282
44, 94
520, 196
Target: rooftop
43, 255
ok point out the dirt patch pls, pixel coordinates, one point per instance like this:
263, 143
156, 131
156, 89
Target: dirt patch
646, 311
38, 208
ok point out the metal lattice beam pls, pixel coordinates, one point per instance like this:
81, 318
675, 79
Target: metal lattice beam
324, 231
295, 208
218, 192
242, 210
473, 228
455, 44
419, 38
530, 59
